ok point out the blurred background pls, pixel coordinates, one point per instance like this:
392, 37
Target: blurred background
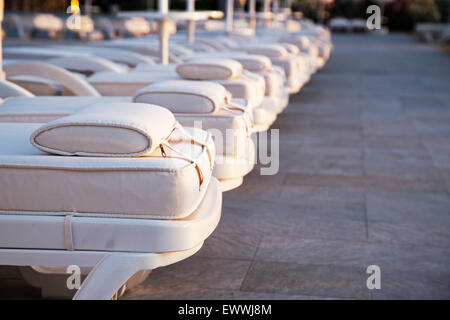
399, 15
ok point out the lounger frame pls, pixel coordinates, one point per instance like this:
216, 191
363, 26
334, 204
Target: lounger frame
110, 270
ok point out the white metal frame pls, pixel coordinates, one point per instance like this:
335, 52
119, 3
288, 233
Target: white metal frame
110, 270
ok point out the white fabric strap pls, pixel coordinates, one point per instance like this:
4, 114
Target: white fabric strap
232, 107
185, 157
203, 144
247, 118
68, 236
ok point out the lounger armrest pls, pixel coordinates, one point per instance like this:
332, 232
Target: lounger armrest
68, 80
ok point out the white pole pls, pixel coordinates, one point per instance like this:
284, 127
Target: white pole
229, 21
252, 12
2, 74
266, 10
163, 6
190, 7
163, 32
266, 6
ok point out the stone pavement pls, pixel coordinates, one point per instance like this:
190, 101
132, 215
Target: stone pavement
364, 180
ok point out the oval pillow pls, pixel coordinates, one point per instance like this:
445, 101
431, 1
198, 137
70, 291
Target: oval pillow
253, 63
183, 96
269, 50
107, 130
210, 69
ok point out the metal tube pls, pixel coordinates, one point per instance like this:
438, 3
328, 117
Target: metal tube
163, 6
252, 13
2, 74
190, 7
229, 21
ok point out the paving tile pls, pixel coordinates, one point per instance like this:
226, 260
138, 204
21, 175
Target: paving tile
384, 183
397, 157
397, 171
431, 128
393, 142
322, 160
231, 245
304, 279
314, 226
397, 207
426, 107
439, 150
407, 232
409, 217
329, 181
372, 182
256, 185
445, 174
360, 254
350, 139
323, 197
279, 220
309, 219
198, 273
398, 284
399, 128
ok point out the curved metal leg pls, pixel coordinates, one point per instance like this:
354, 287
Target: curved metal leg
113, 270
108, 275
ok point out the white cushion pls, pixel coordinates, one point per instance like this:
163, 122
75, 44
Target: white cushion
291, 48
301, 41
34, 182
118, 129
210, 69
181, 96
263, 116
250, 62
229, 129
227, 167
254, 63
269, 50
273, 83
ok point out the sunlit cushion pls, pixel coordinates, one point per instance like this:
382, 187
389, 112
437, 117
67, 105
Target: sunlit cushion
210, 69
118, 129
182, 96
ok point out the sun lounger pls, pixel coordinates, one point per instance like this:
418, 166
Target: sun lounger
276, 95
242, 85
279, 55
196, 102
113, 215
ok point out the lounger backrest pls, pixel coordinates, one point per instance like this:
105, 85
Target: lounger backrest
250, 62
181, 96
272, 51
210, 69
